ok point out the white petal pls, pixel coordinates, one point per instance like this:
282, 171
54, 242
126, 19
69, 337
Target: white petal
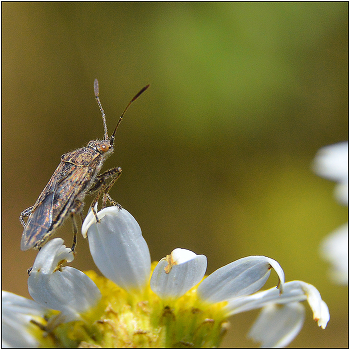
19, 305
16, 333
242, 277
17, 329
278, 325
180, 255
312, 295
89, 220
61, 288
325, 316
175, 278
261, 299
334, 248
118, 248
52, 253
318, 306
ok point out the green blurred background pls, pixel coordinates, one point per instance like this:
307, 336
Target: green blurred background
215, 155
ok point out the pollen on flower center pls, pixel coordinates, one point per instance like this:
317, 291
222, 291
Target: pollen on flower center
171, 263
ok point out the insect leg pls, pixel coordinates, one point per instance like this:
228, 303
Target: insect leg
106, 197
77, 209
103, 188
75, 231
101, 179
113, 174
25, 213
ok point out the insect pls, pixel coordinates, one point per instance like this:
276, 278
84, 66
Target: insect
76, 176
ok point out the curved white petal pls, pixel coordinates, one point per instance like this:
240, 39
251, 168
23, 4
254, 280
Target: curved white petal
261, 299
324, 316
61, 288
90, 219
180, 255
242, 277
293, 291
17, 330
118, 248
178, 273
278, 325
317, 305
51, 255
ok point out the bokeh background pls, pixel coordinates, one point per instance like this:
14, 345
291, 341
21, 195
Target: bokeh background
216, 155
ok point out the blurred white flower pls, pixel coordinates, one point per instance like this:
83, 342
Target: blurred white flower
335, 249
332, 162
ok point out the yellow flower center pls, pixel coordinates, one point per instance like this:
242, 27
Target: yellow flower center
141, 319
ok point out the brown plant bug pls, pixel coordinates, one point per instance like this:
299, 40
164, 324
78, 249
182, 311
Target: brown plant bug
76, 176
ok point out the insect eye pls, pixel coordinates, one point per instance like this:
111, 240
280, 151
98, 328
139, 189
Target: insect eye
104, 148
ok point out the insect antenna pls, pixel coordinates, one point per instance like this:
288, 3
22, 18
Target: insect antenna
97, 92
126, 108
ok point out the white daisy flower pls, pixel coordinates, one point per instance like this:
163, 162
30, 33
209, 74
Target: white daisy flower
165, 304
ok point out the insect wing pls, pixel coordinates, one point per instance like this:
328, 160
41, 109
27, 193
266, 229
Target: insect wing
69, 193
40, 220
38, 223
78, 168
